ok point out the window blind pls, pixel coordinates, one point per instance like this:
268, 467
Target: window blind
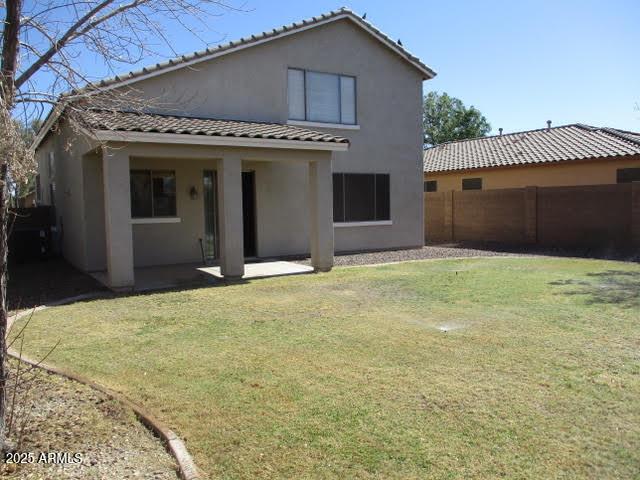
321, 97
348, 100
323, 101
361, 197
296, 94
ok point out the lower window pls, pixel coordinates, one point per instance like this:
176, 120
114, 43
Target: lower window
361, 197
153, 193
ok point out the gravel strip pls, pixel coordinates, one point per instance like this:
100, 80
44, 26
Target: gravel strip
455, 250
423, 253
55, 414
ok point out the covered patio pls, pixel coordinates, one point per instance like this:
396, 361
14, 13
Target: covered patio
126, 141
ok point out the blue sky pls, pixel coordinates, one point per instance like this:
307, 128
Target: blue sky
520, 62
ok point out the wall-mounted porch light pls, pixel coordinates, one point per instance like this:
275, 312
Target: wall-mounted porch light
193, 193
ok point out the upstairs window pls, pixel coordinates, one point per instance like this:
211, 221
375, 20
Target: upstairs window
321, 97
472, 184
153, 193
361, 197
628, 175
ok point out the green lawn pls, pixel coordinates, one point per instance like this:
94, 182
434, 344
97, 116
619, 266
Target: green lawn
479, 368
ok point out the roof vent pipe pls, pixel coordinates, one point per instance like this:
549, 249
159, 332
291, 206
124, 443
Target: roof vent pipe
548, 124
500, 130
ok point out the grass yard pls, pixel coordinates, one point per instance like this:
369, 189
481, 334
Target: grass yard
479, 368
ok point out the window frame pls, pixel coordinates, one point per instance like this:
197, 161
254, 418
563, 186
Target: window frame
339, 91
375, 220
304, 95
151, 173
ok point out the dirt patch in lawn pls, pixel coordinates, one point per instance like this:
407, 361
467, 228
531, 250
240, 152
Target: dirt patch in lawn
54, 415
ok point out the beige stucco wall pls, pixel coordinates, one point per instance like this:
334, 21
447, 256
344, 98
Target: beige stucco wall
576, 172
94, 216
68, 177
156, 244
252, 85
281, 194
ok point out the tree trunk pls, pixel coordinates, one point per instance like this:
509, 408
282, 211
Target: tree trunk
4, 212
8, 65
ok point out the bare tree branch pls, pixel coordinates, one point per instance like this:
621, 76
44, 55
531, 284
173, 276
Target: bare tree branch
58, 44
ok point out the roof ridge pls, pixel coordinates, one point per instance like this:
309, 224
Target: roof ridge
487, 137
616, 132
623, 134
209, 50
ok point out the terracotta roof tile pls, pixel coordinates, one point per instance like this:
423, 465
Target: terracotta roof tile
568, 142
155, 123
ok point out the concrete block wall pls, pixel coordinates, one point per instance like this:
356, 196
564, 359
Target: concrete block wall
591, 215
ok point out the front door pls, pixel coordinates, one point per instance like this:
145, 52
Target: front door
249, 213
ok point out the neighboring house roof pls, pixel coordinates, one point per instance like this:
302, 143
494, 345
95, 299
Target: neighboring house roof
547, 145
117, 121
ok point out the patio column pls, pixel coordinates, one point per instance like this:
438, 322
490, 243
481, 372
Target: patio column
321, 214
230, 217
117, 216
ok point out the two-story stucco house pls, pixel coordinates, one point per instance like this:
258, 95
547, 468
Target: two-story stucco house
301, 140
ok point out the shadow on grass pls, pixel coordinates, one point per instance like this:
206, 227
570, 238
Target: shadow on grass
614, 287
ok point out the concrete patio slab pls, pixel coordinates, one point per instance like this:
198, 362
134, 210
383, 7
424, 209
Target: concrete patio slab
194, 274
264, 269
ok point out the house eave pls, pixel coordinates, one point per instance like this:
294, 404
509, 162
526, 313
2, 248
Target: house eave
51, 119
186, 139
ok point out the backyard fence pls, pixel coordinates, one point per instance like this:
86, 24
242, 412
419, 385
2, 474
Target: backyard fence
592, 215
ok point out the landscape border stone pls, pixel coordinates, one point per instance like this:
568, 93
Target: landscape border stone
187, 469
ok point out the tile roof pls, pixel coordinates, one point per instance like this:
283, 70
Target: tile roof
265, 36
567, 142
120, 121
